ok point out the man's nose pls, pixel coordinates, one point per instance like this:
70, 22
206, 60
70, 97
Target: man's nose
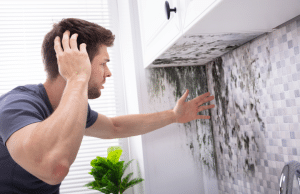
107, 72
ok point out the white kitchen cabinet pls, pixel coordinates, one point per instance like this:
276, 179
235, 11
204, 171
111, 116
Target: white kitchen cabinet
236, 16
157, 31
193, 10
206, 17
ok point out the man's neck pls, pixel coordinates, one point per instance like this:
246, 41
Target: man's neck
55, 90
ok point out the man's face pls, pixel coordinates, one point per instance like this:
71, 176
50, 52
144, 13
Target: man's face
99, 73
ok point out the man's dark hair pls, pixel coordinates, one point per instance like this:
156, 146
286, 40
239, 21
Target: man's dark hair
93, 35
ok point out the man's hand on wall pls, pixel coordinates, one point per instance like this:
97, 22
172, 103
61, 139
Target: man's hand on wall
188, 111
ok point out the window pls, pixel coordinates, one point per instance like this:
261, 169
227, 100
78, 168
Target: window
23, 27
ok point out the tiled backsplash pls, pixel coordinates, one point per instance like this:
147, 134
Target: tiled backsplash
254, 126
256, 119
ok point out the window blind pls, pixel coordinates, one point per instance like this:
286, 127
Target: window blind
23, 25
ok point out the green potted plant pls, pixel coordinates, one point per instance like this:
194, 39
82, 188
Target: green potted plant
108, 173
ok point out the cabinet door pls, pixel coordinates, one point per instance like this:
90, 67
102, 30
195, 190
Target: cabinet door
158, 33
194, 10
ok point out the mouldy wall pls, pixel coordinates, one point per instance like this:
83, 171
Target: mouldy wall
255, 125
256, 119
194, 79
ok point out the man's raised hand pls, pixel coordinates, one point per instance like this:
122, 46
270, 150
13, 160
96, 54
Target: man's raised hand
72, 63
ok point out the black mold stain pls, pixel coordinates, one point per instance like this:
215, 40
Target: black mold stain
262, 124
232, 47
209, 52
238, 107
194, 79
213, 154
249, 168
243, 140
246, 142
196, 36
178, 77
172, 60
204, 138
239, 143
218, 78
191, 146
198, 139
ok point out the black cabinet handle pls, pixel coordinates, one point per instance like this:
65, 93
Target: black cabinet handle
168, 9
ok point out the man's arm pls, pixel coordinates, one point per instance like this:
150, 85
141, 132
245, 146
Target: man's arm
132, 125
138, 124
54, 143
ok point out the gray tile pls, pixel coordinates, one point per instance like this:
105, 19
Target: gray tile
297, 93
284, 143
292, 134
279, 157
287, 119
284, 38
298, 66
273, 99
296, 50
290, 44
286, 88
295, 76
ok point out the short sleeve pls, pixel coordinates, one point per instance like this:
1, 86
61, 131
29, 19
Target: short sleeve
91, 117
16, 112
20, 110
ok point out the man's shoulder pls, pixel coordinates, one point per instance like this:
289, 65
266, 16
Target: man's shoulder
23, 89
27, 98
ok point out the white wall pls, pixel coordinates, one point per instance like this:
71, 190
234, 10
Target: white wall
131, 85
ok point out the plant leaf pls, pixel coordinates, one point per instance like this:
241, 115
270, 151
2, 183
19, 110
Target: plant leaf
108, 173
114, 156
113, 148
126, 166
98, 160
132, 183
119, 171
125, 182
111, 186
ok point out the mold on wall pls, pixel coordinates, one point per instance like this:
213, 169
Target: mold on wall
201, 49
254, 128
238, 144
199, 132
257, 111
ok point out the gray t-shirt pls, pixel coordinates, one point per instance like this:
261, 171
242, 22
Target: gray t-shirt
20, 107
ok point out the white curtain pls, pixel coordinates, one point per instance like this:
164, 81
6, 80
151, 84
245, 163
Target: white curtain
23, 25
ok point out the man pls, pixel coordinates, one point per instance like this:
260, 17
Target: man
42, 126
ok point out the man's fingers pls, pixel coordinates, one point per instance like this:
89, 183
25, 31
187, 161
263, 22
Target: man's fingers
203, 98
203, 117
197, 99
73, 42
66, 40
208, 99
185, 95
83, 48
202, 108
57, 45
